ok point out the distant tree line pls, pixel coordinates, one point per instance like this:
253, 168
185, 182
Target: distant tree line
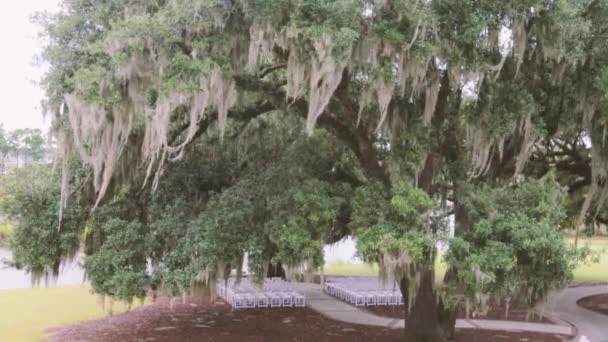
27, 143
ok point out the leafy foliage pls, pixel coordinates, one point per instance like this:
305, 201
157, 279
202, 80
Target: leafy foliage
515, 248
39, 242
394, 226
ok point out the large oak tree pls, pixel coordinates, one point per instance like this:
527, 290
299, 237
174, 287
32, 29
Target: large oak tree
374, 118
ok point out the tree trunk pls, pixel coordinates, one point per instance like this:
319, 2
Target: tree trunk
275, 271
447, 322
427, 321
576, 232
447, 314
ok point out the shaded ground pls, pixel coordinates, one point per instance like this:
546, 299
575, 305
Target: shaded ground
205, 321
597, 303
517, 312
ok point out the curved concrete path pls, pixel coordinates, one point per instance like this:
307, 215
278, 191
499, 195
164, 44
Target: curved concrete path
590, 325
337, 310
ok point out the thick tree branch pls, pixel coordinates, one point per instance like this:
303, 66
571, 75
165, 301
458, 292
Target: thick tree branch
365, 150
344, 128
266, 71
427, 174
245, 114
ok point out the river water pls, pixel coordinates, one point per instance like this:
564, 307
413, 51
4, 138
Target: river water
73, 274
10, 278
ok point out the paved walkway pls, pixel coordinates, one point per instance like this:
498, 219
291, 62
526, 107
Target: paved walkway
562, 305
337, 310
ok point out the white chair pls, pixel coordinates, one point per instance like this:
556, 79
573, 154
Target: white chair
250, 300
299, 300
359, 300
238, 301
370, 299
287, 300
381, 298
276, 301
262, 300
393, 299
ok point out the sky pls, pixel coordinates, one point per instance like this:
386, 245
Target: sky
20, 96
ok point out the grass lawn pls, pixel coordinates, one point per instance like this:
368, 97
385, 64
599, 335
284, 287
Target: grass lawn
350, 269
6, 229
25, 314
592, 272
345, 268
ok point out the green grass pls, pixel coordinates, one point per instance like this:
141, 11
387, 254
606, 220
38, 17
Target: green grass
6, 229
26, 314
584, 273
350, 269
593, 272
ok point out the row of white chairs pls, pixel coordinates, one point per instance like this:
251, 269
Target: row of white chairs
274, 293
364, 283
269, 284
363, 291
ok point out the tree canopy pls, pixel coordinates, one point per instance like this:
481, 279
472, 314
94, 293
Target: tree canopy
218, 128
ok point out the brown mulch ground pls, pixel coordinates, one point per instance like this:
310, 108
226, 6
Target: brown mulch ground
517, 312
205, 321
597, 303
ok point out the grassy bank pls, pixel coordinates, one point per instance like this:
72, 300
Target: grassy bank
590, 272
593, 272
26, 314
6, 229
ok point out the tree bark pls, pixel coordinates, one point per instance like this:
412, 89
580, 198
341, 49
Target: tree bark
428, 320
424, 321
447, 314
275, 271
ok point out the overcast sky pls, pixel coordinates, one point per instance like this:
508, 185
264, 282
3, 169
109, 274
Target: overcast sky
19, 95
